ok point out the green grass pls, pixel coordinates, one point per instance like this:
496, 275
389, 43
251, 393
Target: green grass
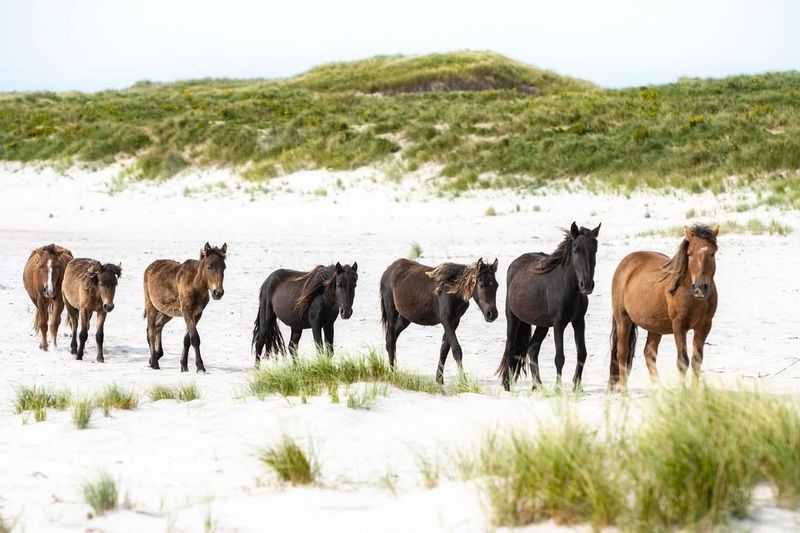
414, 251
117, 397
474, 114
364, 398
82, 413
182, 393
312, 376
101, 493
39, 399
490, 212
754, 226
290, 462
691, 463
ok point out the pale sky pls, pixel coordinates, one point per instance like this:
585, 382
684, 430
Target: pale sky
92, 45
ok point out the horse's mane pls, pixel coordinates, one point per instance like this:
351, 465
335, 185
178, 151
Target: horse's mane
320, 277
92, 275
51, 249
676, 267
560, 256
457, 279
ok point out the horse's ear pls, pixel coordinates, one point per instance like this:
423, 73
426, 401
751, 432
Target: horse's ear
596, 231
118, 271
715, 230
355, 266
338, 268
206, 249
574, 231
224, 249
688, 233
479, 263
493, 266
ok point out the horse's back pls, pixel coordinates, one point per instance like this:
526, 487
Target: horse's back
282, 288
72, 286
412, 291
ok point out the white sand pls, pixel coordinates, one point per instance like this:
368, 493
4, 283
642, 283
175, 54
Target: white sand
183, 463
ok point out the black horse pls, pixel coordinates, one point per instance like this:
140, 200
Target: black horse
303, 300
411, 292
549, 291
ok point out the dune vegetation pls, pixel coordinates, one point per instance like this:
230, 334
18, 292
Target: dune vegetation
484, 119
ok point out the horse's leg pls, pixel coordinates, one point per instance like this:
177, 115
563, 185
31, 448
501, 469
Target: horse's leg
393, 330
579, 330
512, 328
698, 343
558, 336
85, 316
455, 346
533, 354
650, 355
198, 361
55, 309
445, 349
315, 319
679, 331
41, 322
624, 325
294, 340
72, 319
160, 321
99, 334
327, 329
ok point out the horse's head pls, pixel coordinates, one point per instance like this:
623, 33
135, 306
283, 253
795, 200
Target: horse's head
212, 267
49, 270
485, 292
105, 276
584, 255
345, 282
701, 249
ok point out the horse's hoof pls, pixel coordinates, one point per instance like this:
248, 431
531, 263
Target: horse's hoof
79, 358
201, 370
184, 369
154, 365
101, 360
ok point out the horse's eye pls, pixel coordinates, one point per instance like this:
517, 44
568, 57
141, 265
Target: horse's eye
208, 267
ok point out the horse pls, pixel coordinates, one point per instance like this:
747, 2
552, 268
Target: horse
173, 289
303, 300
89, 287
411, 292
665, 297
42, 277
549, 290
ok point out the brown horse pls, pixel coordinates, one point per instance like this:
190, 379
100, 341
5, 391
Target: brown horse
172, 289
42, 278
411, 292
664, 296
89, 287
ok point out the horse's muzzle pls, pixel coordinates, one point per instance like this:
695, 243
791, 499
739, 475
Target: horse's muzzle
491, 315
217, 293
700, 291
586, 287
108, 307
346, 313
48, 293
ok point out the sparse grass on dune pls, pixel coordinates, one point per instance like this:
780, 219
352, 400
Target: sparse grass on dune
39, 399
182, 393
312, 376
692, 463
486, 120
82, 411
290, 462
117, 397
102, 493
754, 226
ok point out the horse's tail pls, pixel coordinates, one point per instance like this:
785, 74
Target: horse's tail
613, 371
515, 358
266, 333
384, 319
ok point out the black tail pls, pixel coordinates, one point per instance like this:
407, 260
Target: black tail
384, 319
515, 361
266, 333
613, 371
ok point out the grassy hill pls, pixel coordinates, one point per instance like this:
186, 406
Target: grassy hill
476, 114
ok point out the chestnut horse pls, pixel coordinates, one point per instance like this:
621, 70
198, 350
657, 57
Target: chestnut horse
411, 292
173, 289
303, 300
665, 297
549, 290
42, 278
89, 287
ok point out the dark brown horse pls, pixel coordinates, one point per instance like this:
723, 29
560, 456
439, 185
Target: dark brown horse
173, 289
411, 292
89, 287
303, 300
549, 290
665, 297
42, 278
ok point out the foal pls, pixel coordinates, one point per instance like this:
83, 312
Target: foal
89, 287
173, 289
303, 300
411, 292
665, 297
42, 278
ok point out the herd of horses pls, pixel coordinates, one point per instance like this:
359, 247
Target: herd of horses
662, 295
